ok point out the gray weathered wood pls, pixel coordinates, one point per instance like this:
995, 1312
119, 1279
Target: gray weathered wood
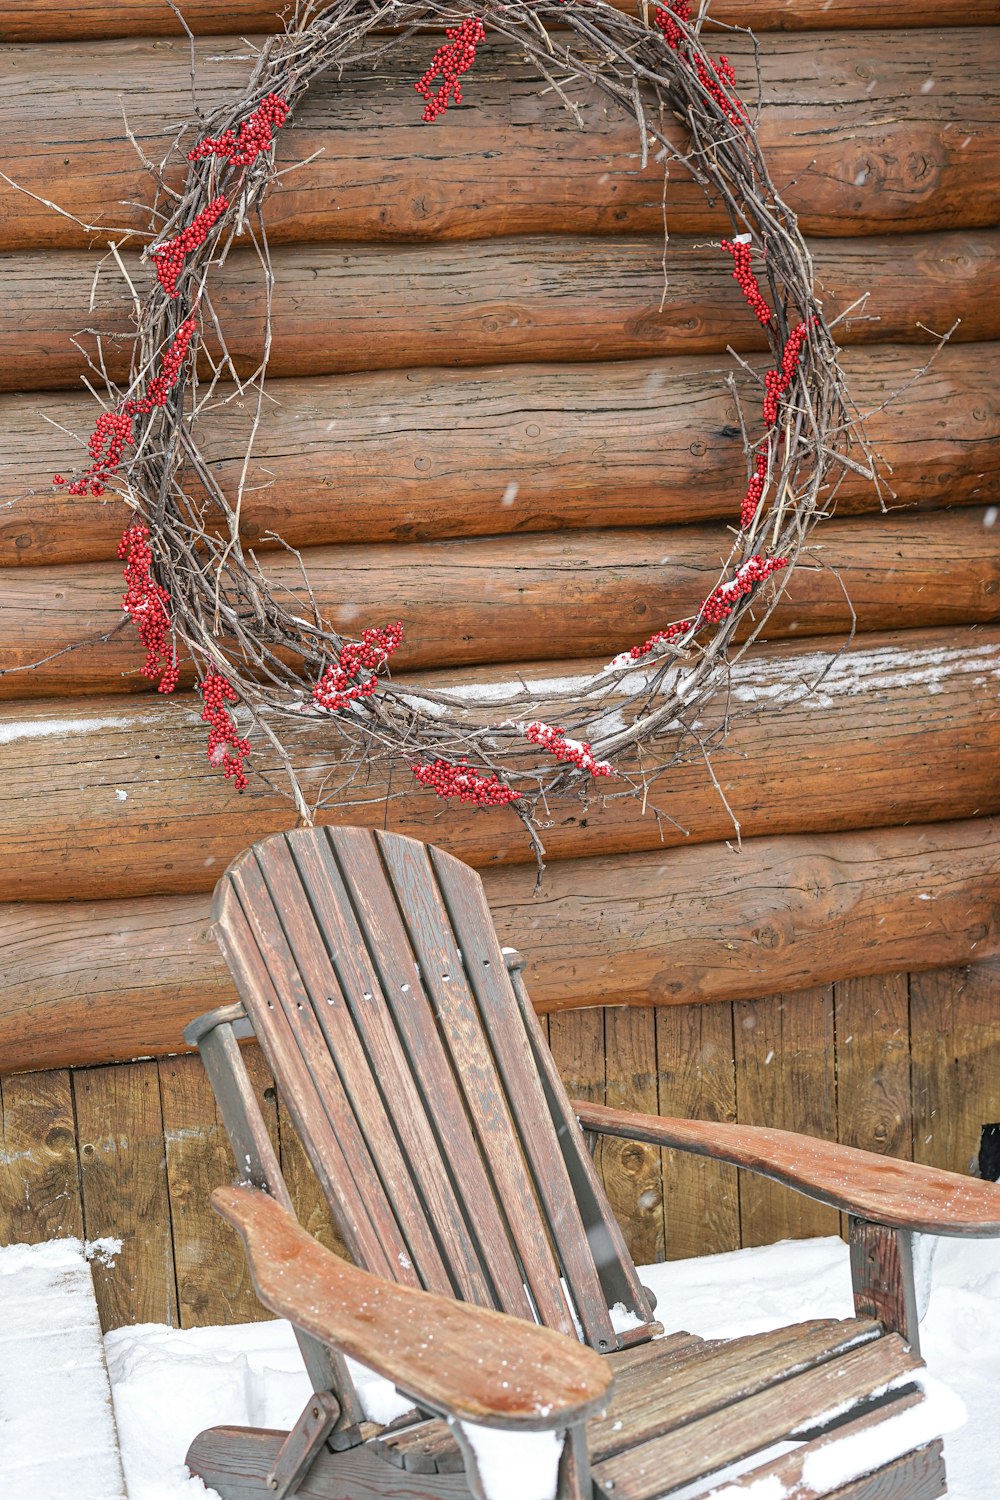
418, 1075
882, 1277
730, 1432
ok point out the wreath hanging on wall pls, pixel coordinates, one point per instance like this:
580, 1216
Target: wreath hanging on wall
266, 661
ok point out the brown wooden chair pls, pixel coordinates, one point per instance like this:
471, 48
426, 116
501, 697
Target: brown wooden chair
496, 1284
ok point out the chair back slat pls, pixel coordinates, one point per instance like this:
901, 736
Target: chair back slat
465, 899
361, 928
616, 1268
419, 1079
323, 1109
444, 981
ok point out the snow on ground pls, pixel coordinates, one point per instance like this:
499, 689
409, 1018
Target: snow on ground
55, 1405
168, 1384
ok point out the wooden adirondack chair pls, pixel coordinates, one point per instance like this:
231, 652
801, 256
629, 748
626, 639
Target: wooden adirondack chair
496, 1284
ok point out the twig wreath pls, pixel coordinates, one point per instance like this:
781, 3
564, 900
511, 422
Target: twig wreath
266, 662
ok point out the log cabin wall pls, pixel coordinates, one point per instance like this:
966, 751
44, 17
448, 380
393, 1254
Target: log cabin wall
492, 421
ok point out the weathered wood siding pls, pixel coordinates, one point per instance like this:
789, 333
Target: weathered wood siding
495, 421
134, 1149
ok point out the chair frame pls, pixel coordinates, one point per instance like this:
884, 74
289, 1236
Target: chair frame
887, 1202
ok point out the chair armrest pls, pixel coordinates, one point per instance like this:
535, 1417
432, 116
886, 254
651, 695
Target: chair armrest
450, 1357
881, 1189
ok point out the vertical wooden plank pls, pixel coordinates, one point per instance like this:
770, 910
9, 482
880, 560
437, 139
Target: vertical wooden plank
785, 1077
120, 1132
955, 1059
872, 1018
213, 1285
694, 1049
577, 1041
631, 1170
39, 1168
308, 1201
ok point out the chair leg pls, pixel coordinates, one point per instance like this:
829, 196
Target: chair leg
575, 1482
303, 1444
882, 1276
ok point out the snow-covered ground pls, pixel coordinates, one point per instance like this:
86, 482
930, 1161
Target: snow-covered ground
168, 1384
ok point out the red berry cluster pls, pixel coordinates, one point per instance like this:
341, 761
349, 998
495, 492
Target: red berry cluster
746, 280
148, 605
170, 368
776, 382
169, 258
111, 432
114, 428
661, 637
672, 33
255, 137
755, 489
576, 752
450, 61
719, 80
226, 748
337, 686
462, 782
722, 600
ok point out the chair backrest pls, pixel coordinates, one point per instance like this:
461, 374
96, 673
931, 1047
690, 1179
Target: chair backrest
419, 1078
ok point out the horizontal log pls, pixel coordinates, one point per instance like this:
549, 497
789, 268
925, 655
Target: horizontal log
51, 21
539, 598
437, 453
904, 138
113, 798
95, 982
500, 301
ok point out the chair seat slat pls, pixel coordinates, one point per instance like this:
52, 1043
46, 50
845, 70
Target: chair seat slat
729, 1433
695, 1382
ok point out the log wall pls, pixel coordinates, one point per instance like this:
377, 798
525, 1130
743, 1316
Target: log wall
496, 418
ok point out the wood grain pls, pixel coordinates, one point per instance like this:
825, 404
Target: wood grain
955, 1060
48, 21
697, 1080
213, 1285
899, 1194
685, 1386
630, 1170
786, 1079
483, 1364
693, 1449
543, 598
308, 1203
87, 982
873, 1063
554, 299
908, 723
882, 1278
437, 453
39, 1168
858, 144
125, 1192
